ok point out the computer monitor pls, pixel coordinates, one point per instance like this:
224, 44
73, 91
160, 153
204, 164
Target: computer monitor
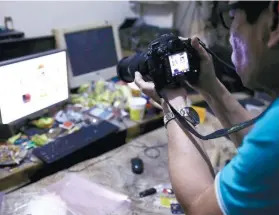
93, 52
15, 48
32, 84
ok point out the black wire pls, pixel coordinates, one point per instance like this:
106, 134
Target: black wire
154, 148
147, 149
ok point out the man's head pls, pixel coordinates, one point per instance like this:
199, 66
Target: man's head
254, 36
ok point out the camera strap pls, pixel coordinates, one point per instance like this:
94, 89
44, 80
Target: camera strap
215, 134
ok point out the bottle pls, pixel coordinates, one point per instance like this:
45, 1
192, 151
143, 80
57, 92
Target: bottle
9, 25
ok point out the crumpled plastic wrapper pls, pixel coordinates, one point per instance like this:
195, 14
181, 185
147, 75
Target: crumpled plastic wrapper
73, 195
102, 93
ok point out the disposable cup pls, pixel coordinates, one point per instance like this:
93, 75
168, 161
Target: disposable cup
137, 107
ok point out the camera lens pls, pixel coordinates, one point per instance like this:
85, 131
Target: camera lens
127, 67
123, 70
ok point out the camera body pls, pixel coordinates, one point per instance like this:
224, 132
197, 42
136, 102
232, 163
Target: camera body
167, 61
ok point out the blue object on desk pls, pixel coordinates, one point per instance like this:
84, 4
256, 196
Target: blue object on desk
176, 208
70, 143
115, 79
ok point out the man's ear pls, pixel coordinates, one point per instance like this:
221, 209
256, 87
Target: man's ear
274, 34
273, 38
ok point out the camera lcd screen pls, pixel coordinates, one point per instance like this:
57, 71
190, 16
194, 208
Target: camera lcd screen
179, 63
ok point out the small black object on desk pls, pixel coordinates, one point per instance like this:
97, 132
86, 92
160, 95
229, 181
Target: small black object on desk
137, 165
147, 192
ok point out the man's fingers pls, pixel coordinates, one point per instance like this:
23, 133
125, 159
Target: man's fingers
196, 45
155, 104
141, 83
147, 88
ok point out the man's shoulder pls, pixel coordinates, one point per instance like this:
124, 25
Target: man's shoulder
271, 114
249, 183
267, 127
259, 152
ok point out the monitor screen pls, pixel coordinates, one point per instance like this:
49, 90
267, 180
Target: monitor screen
10, 49
91, 50
31, 84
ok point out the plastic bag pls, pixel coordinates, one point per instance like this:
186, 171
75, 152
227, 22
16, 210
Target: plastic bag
87, 198
73, 195
41, 203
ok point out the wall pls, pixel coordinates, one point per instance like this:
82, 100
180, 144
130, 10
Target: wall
37, 18
155, 14
193, 19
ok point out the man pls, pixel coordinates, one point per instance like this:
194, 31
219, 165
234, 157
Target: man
249, 183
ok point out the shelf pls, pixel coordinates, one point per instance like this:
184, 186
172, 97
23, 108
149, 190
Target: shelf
173, 3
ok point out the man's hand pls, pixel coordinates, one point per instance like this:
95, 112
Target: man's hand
207, 78
148, 88
176, 97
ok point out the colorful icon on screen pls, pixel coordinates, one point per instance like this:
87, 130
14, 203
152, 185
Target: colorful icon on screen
26, 98
176, 72
41, 66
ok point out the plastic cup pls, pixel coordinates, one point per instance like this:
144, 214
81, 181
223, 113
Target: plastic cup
137, 107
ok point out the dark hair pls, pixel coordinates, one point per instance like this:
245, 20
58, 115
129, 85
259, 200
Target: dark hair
276, 16
253, 9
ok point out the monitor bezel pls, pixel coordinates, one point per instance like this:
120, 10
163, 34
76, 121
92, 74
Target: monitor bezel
26, 39
104, 74
21, 42
46, 109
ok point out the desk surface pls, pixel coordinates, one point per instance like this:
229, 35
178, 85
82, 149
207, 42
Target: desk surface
113, 170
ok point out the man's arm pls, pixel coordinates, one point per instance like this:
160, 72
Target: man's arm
190, 176
227, 109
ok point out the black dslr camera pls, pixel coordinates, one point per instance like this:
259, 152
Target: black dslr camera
167, 62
